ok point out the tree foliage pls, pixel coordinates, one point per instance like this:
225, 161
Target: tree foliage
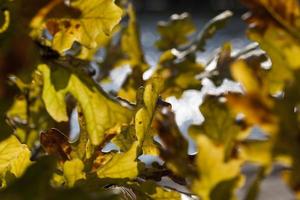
46, 79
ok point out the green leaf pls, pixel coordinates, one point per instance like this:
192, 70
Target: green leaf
91, 29
14, 156
15, 30
174, 33
121, 165
100, 111
133, 52
73, 171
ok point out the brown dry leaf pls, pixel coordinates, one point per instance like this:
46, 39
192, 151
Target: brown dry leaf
56, 143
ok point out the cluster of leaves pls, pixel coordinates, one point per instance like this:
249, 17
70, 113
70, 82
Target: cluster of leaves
47, 77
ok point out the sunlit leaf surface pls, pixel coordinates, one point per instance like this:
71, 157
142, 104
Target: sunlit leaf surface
64, 137
73, 171
100, 112
212, 167
14, 157
93, 27
123, 165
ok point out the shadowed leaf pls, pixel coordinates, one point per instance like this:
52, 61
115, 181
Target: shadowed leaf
174, 33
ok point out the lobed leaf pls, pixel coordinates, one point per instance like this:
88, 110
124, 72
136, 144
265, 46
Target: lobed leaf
275, 26
212, 168
122, 165
144, 115
141, 131
127, 51
14, 157
73, 171
211, 28
156, 192
100, 112
174, 33
256, 103
179, 70
92, 28
39, 174
219, 124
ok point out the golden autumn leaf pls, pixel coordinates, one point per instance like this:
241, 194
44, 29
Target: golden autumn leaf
92, 28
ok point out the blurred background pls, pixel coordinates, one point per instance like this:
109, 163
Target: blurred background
188, 5
152, 11
187, 107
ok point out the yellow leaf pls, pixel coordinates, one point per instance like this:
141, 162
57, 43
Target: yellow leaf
130, 42
156, 192
179, 70
144, 115
242, 73
54, 101
258, 152
6, 22
175, 32
73, 171
149, 146
125, 138
122, 165
18, 109
99, 110
126, 51
255, 104
14, 156
92, 28
219, 124
277, 31
141, 131
212, 167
